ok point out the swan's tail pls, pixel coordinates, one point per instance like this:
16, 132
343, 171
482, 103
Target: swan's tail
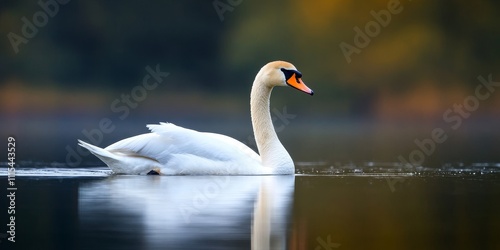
123, 162
105, 156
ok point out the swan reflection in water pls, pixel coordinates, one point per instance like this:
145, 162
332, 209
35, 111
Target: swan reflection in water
191, 212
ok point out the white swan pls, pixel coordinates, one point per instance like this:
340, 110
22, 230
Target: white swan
173, 150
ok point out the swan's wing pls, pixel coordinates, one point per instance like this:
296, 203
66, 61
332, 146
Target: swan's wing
176, 146
237, 144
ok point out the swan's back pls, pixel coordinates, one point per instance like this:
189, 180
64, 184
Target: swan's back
184, 151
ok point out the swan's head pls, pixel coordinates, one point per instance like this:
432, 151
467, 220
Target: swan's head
281, 73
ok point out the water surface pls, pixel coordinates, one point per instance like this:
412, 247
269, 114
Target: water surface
324, 206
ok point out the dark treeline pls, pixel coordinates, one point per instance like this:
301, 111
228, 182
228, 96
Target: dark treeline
354, 52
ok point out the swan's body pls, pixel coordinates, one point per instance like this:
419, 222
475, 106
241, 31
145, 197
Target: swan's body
173, 150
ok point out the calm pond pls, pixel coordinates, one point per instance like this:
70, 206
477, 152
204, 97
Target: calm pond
324, 206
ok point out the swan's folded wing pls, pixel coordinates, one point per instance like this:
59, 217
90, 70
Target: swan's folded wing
236, 144
167, 140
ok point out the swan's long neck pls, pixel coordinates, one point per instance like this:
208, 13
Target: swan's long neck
271, 151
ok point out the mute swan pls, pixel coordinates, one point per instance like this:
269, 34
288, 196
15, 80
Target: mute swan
173, 150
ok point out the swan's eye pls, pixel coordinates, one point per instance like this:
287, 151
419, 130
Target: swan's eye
289, 73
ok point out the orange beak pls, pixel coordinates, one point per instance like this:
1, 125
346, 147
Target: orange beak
297, 83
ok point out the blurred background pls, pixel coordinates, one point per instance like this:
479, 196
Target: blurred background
386, 74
